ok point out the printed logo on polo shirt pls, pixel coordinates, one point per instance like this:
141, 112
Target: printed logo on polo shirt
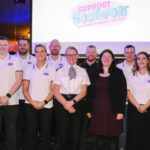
10, 64
60, 65
29, 62
46, 74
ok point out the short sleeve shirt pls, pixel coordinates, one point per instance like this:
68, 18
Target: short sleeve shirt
61, 61
8, 68
139, 85
29, 60
73, 86
127, 70
40, 82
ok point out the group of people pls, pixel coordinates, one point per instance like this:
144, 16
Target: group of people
93, 97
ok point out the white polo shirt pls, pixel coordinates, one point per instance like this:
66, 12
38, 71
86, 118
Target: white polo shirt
29, 60
61, 61
40, 82
139, 85
73, 86
127, 70
8, 68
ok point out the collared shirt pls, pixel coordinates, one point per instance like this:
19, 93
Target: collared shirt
8, 68
40, 82
29, 60
73, 86
91, 71
127, 70
139, 85
59, 62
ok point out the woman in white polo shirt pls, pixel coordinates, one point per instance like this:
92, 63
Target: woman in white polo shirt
138, 115
37, 89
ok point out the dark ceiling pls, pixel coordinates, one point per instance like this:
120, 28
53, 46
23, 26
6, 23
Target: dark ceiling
14, 18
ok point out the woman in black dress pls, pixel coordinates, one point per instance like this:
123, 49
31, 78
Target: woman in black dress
109, 97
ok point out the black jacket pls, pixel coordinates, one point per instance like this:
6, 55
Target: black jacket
117, 90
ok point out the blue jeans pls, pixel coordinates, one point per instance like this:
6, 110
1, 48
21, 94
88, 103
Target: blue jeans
122, 137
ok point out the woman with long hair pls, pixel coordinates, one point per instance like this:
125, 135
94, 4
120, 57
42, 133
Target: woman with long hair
109, 97
138, 115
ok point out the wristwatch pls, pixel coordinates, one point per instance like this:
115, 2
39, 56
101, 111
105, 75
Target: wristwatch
45, 101
8, 95
74, 101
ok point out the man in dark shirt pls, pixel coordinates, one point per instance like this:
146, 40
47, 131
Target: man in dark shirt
91, 66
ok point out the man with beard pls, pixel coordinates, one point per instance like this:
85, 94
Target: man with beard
126, 66
55, 59
91, 66
25, 60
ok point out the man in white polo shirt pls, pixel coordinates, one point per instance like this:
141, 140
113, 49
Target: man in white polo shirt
10, 81
126, 66
55, 59
26, 60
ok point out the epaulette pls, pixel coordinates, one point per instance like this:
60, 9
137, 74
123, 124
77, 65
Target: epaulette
59, 68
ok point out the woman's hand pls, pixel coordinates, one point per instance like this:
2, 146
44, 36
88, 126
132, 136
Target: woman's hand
142, 109
119, 116
89, 115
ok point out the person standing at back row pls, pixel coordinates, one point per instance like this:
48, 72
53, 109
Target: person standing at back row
126, 66
55, 59
91, 67
25, 60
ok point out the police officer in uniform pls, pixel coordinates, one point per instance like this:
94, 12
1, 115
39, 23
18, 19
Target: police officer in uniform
70, 87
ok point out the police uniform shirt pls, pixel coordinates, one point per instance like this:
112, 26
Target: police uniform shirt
8, 68
40, 81
73, 86
61, 61
139, 85
29, 60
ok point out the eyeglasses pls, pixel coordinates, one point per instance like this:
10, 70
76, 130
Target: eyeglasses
71, 55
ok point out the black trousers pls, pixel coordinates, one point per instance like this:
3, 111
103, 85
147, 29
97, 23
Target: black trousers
84, 131
107, 143
38, 119
68, 126
138, 129
21, 124
9, 115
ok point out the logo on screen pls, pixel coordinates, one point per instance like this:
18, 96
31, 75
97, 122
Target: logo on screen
99, 13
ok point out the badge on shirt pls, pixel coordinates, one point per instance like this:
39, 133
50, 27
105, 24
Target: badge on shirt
10, 64
46, 74
60, 65
29, 62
